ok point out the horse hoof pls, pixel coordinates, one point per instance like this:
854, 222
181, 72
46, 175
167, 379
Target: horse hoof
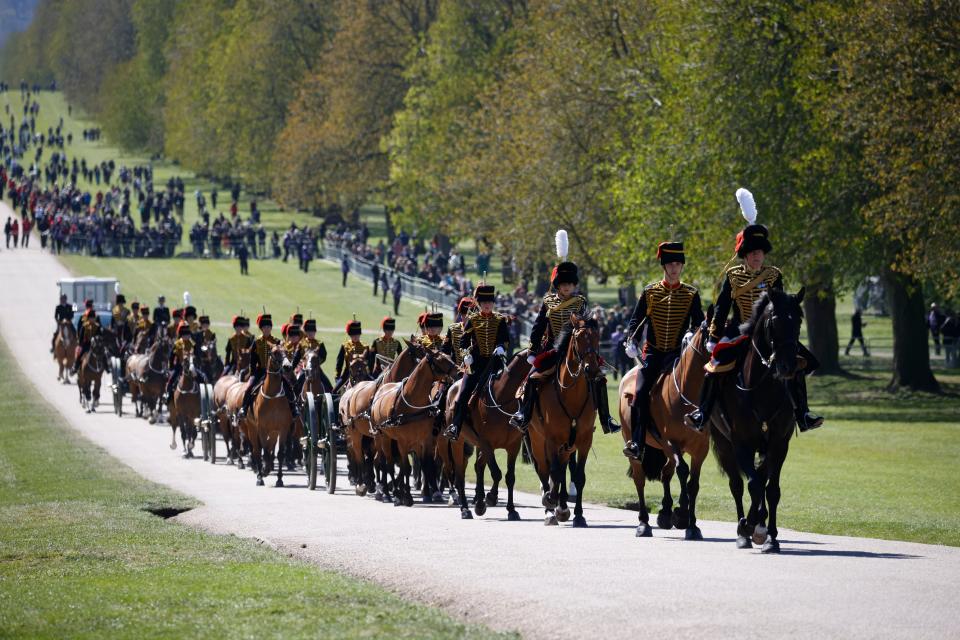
663, 520
644, 531
378, 496
172, 447
548, 502
465, 514
360, 490
259, 482
563, 514
451, 501
480, 508
759, 534
770, 546
743, 528
693, 533
743, 542
408, 501
680, 518
579, 522
397, 502
278, 483
491, 499
513, 516
437, 497
550, 521
426, 498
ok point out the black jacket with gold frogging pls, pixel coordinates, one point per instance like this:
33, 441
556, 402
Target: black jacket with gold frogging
743, 287
553, 317
482, 334
671, 312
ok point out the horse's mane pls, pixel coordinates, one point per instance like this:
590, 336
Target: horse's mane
776, 297
561, 339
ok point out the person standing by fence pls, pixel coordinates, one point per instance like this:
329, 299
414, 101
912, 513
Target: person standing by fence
243, 253
934, 320
397, 290
344, 268
8, 230
950, 329
375, 273
856, 333
384, 286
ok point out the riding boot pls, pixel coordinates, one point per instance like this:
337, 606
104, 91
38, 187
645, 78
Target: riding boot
53, 341
634, 448
521, 419
698, 418
291, 399
607, 424
247, 400
797, 388
452, 432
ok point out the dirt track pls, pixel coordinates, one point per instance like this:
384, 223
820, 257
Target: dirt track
544, 582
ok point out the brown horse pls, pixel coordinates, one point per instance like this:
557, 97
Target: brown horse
563, 423
90, 372
65, 349
362, 443
269, 423
185, 409
405, 414
226, 420
487, 427
147, 378
673, 395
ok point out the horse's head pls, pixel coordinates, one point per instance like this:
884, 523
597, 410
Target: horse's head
357, 369
775, 330
441, 366
584, 349
278, 361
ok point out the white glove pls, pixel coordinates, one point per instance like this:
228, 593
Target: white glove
631, 349
687, 337
468, 359
711, 345
531, 359
499, 351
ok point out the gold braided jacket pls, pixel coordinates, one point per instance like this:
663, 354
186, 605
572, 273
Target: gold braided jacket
668, 310
559, 311
386, 347
485, 330
743, 295
430, 342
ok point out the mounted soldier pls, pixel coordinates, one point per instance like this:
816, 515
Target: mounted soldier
349, 350
120, 322
665, 312
176, 317
431, 324
63, 312
239, 342
742, 286
485, 337
143, 330
311, 343
259, 358
161, 314
183, 348
385, 348
452, 342
550, 337
89, 327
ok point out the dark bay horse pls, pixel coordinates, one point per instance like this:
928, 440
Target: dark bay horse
147, 377
672, 396
185, 408
754, 418
563, 423
90, 373
231, 385
65, 349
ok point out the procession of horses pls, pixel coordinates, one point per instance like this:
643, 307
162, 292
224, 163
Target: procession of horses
411, 417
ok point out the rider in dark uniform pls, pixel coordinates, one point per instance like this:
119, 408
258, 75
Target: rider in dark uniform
161, 314
431, 326
64, 311
239, 342
259, 359
120, 321
310, 342
183, 348
349, 350
742, 287
485, 337
666, 311
385, 346
89, 327
452, 342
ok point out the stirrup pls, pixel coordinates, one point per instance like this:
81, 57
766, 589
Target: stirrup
809, 421
519, 421
609, 426
452, 432
694, 420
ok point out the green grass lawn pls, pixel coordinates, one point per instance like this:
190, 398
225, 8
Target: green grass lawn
81, 557
880, 467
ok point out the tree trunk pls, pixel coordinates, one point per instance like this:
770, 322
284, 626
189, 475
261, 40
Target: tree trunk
391, 232
443, 243
820, 311
911, 352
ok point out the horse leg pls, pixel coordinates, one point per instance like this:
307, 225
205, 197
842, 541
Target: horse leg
403, 496
511, 478
496, 475
283, 450
775, 460
173, 435
681, 515
579, 474
665, 516
479, 503
693, 488
639, 482
558, 475
428, 469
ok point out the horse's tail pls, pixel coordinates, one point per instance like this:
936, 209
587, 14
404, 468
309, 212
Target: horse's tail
467, 450
724, 456
653, 462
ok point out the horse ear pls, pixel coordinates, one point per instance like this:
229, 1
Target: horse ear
406, 342
800, 293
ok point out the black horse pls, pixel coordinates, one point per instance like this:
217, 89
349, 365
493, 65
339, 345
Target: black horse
755, 421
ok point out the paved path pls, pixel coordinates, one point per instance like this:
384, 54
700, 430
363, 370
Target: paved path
545, 582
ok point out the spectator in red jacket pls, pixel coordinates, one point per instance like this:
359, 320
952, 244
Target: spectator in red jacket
27, 226
15, 232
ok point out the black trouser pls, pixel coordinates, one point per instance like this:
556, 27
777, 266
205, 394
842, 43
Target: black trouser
935, 334
652, 365
480, 370
854, 339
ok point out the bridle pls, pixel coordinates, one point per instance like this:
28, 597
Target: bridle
580, 357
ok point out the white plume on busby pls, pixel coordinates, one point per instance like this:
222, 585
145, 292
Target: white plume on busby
563, 244
186, 297
116, 288
747, 206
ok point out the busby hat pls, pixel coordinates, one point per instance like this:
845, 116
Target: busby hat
296, 318
465, 305
285, 329
293, 330
121, 298
176, 313
88, 303
353, 328
204, 319
753, 236
388, 324
433, 320
145, 310
135, 305
422, 320
183, 329
264, 320
244, 321
190, 312
310, 325
670, 252
565, 271
485, 293
237, 321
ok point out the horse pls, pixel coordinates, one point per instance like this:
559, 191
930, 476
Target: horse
487, 428
754, 420
670, 439
404, 412
225, 388
269, 422
210, 363
354, 412
90, 372
147, 377
563, 423
64, 349
185, 409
